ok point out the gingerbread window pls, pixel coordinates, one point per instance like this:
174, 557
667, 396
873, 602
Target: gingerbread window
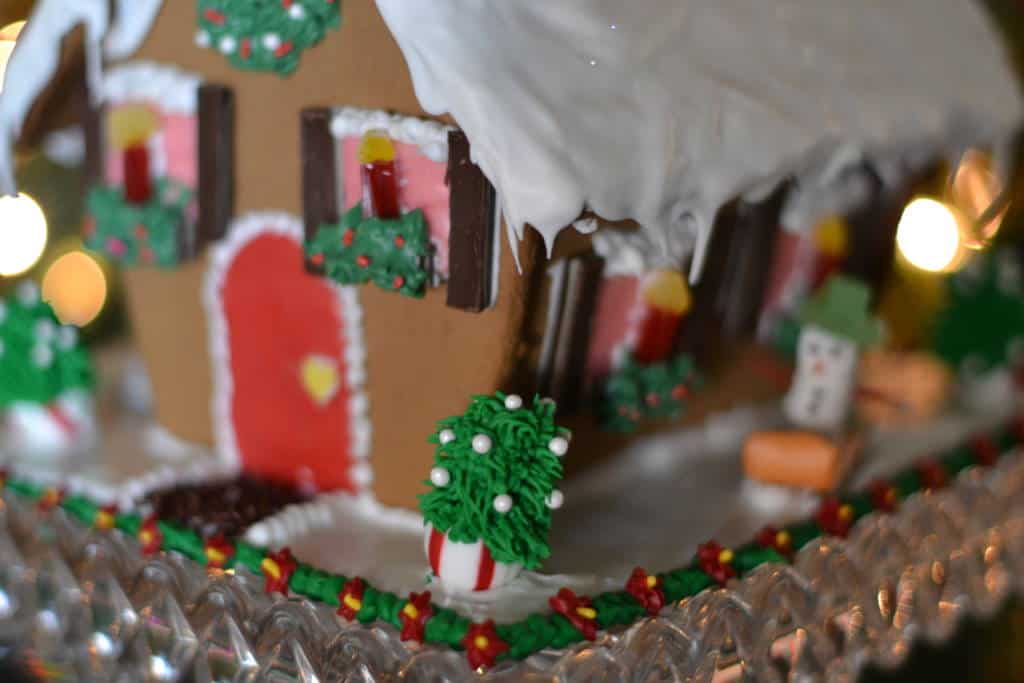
385, 203
161, 146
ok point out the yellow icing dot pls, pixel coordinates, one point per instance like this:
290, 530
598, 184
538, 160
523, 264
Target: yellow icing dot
725, 557
782, 538
481, 642
410, 611
270, 568
846, 512
376, 146
353, 603
830, 236
587, 612
652, 581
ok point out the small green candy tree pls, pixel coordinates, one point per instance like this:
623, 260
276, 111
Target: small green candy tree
495, 476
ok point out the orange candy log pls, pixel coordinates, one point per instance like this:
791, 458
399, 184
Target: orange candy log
798, 459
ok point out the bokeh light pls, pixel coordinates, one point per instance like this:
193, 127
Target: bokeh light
928, 235
76, 288
22, 234
8, 36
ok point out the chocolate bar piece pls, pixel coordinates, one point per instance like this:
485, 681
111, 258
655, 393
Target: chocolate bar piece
92, 116
216, 164
472, 206
319, 174
572, 299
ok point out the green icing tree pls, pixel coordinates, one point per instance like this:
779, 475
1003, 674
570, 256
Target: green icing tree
521, 461
395, 255
658, 391
265, 35
982, 328
39, 358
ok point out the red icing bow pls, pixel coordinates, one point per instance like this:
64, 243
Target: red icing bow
350, 600
50, 499
835, 517
150, 536
219, 551
277, 570
984, 450
716, 562
105, 518
414, 616
483, 645
778, 540
578, 610
932, 474
647, 589
884, 495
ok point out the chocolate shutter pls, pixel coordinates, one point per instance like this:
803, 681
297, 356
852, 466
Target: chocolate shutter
319, 174
472, 206
216, 165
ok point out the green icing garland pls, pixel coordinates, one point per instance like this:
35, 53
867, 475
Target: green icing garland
39, 358
138, 234
657, 391
538, 631
265, 35
519, 464
395, 254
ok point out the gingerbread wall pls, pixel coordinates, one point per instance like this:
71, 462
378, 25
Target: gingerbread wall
424, 358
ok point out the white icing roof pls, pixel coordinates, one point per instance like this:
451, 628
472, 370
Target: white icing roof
662, 110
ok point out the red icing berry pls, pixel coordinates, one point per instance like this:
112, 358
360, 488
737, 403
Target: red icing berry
778, 540
652, 399
214, 17
89, 227
399, 241
317, 259
245, 48
398, 282
141, 232
680, 391
932, 474
985, 451
348, 237
285, 48
363, 261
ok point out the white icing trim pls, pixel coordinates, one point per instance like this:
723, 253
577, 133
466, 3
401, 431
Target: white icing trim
430, 136
328, 510
242, 231
174, 90
65, 147
635, 253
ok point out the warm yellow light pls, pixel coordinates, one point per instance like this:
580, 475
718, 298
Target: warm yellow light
22, 234
76, 288
928, 235
8, 34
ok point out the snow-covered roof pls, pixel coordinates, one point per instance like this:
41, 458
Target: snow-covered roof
662, 110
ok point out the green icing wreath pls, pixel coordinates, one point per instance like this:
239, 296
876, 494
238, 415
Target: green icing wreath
395, 254
519, 464
39, 358
265, 35
138, 234
635, 393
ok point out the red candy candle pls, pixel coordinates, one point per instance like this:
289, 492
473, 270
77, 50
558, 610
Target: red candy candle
138, 185
666, 298
379, 174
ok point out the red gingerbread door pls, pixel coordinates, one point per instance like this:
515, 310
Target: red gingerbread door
288, 361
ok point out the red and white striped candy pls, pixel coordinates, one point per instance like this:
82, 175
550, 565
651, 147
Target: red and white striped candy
465, 566
62, 426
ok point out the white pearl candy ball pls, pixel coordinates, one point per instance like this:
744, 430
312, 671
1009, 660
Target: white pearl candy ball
66, 337
555, 499
503, 503
440, 477
559, 446
202, 39
28, 293
482, 444
513, 402
45, 331
297, 12
271, 41
227, 45
446, 436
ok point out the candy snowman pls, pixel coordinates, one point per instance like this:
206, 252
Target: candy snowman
493, 489
818, 449
45, 403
